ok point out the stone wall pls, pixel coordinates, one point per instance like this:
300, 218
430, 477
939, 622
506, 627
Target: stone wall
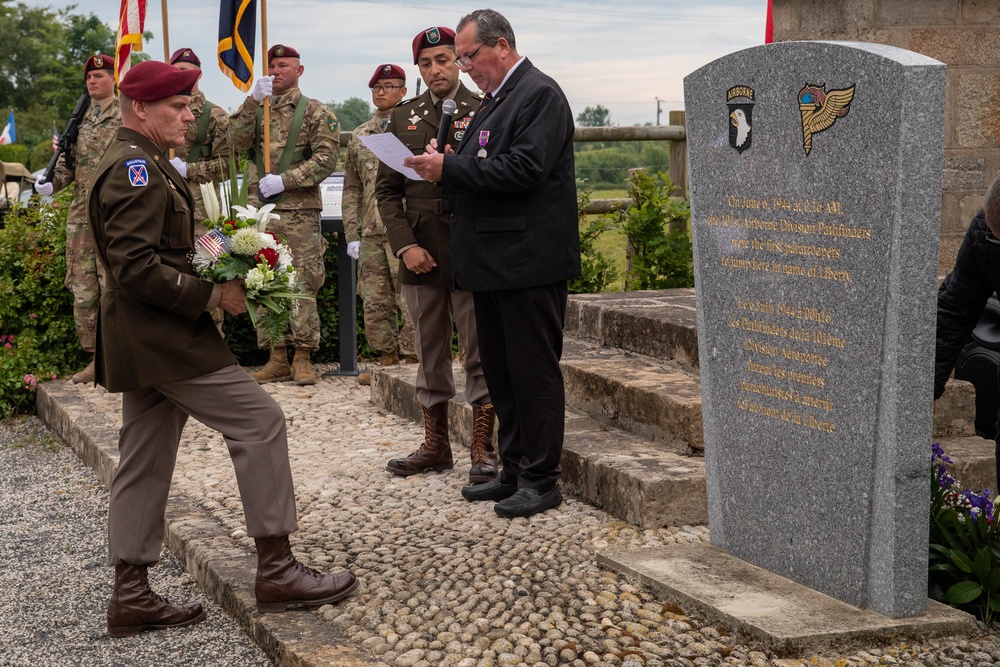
963, 34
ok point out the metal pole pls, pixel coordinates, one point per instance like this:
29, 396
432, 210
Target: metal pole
166, 32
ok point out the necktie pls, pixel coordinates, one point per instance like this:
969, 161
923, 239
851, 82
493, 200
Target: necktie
486, 100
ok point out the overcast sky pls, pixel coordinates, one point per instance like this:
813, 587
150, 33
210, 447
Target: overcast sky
622, 55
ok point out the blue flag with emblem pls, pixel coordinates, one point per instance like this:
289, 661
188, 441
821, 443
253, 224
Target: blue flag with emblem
237, 37
8, 136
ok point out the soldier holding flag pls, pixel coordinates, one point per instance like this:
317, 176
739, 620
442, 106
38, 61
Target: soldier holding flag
97, 130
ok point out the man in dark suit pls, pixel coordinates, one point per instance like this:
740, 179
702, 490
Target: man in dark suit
416, 218
515, 244
157, 343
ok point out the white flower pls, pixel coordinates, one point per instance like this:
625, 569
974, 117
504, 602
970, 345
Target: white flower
262, 215
267, 241
246, 242
284, 259
255, 279
211, 201
203, 261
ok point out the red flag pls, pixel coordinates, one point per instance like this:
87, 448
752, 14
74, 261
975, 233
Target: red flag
769, 25
131, 20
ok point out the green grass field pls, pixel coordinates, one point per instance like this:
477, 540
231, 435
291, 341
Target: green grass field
612, 243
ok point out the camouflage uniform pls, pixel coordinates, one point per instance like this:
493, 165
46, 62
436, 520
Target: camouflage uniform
84, 275
378, 267
214, 167
301, 202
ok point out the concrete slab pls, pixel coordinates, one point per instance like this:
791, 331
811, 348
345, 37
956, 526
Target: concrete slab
657, 323
791, 619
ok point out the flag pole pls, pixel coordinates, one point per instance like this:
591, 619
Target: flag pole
166, 32
266, 148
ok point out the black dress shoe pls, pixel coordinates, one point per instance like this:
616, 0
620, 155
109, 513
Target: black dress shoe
492, 490
527, 502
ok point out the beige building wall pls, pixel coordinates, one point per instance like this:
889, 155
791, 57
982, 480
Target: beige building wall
965, 35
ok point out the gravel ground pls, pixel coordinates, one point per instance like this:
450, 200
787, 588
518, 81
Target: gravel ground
56, 581
444, 582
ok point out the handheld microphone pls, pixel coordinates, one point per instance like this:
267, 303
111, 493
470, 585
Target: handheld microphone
447, 111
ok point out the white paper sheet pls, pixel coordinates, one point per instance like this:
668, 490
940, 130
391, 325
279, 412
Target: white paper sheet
391, 151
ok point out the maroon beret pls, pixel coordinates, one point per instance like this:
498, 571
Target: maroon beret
387, 71
435, 36
152, 80
185, 56
282, 51
98, 62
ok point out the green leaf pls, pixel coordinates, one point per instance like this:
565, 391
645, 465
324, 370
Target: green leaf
964, 592
994, 603
981, 564
992, 580
961, 561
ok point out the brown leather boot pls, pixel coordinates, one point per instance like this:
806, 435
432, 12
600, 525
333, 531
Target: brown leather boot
484, 453
276, 369
86, 376
435, 451
283, 582
134, 608
302, 368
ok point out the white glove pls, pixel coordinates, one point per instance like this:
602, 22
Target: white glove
354, 249
43, 188
181, 166
262, 88
271, 185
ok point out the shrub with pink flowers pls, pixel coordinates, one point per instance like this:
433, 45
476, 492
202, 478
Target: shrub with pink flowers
37, 336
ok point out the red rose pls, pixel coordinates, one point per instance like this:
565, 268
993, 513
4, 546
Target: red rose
269, 255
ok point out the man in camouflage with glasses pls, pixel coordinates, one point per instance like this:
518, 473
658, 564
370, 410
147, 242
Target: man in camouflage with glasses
367, 242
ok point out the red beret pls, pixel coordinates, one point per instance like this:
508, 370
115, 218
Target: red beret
387, 71
435, 36
152, 80
282, 51
185, 56
98, 62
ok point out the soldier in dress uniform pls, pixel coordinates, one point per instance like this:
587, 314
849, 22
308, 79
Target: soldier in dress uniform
97, 129
305, 142
416, 216
378, 268
157, 345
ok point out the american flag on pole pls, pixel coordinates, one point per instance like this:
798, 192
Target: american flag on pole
55, 138
131, 19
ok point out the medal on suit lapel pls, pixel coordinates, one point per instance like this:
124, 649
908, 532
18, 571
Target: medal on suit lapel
484, 138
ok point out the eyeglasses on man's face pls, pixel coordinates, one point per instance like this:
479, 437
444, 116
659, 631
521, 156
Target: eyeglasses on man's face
385, 88
465, 61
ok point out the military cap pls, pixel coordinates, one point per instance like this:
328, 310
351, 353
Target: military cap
434, 36
387, 71
185, 56
98, 62
282, 51
152, 80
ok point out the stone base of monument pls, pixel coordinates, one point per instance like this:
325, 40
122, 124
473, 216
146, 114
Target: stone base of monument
790, 619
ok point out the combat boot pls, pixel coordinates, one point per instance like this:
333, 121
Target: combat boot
388, 359
283, 582
86, 376
484, 453
134, 607
276, 369
435, 451
302, 368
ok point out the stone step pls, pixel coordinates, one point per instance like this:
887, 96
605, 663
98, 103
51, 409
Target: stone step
655, 399
955, 411
974, 461
631, 478
656, 323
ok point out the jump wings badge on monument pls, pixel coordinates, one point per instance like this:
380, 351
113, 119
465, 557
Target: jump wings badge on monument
740, 100
821, 108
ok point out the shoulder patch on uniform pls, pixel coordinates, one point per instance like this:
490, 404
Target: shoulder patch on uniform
137, 174
333, 123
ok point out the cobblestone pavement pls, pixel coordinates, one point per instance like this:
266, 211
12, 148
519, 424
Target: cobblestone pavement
447, 582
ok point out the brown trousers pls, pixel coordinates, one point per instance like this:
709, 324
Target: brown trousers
432, 310
253, 426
